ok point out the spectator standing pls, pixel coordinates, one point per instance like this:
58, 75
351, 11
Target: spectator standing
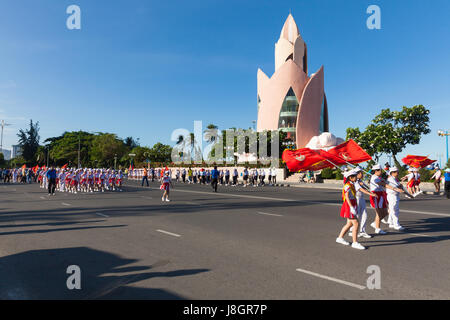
145, 177
51, 179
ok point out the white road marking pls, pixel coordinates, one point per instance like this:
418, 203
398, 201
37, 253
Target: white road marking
65, 204
169, 233
357, 286
146, 197
270, 214
43, 198
101, 214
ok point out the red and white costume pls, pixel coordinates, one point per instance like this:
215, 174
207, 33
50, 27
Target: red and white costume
349, 192
378, 189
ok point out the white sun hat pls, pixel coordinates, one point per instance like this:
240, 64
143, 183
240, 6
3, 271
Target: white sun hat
376, 167
392, 169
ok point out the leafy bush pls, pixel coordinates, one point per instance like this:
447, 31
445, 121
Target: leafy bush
327, 173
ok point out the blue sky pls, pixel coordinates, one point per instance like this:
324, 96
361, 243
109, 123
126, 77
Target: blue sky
145, 68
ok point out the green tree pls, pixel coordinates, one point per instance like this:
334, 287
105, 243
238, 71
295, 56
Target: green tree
391, 131
29, 142
64, 149
105, 146
161, 153
2, 159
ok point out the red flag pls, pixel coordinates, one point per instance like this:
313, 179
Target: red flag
304, 159
348, 151
35, 168
64, 166
44, 167
24, 166
307, 159
131, 167
417, 161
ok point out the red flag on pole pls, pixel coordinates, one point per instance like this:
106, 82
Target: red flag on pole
417, 161
64, 166
349, 151
307, 159
304, 159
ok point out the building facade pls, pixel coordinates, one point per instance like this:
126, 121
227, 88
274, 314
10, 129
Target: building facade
291, 100
16, 151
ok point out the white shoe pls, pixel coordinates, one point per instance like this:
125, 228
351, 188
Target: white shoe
384, 221
364, 235
357, 245
391, 226
167, 200
342, 241
379, 231
373, 225
399, 228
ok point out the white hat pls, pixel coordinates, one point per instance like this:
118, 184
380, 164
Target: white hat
376, 167
349, 173
447, 170
393, 169
357, 169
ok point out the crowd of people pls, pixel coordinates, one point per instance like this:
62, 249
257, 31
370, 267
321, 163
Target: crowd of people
226, 177
79, 180
384, 198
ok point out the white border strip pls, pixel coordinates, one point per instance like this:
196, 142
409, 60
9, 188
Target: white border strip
357, 286
169, 233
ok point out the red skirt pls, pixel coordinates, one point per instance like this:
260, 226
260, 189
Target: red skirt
380, 202
165, 186
345, 209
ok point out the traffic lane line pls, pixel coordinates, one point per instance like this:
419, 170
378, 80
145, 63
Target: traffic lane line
102, 215
269, 214
65, 204
169, 233
350, 284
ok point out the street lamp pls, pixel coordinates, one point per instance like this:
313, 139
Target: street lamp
3, 124
131, 155
445, 134
146, 154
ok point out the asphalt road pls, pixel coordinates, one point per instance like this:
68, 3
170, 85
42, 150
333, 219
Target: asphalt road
241, 243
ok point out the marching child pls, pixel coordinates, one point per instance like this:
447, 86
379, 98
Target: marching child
166, 183
349, 210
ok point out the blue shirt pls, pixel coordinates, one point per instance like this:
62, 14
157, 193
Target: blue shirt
51, 174
447, 176
214, 173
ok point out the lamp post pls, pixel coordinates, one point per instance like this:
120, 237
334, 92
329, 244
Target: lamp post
3, 124
445, 134
146, 154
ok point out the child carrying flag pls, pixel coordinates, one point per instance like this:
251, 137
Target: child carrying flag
349, 210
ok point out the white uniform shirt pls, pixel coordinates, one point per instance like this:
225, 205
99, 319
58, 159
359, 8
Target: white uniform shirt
375, 183
393, 182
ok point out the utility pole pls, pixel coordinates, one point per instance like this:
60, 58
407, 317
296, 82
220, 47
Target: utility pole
3, 124
79, 143
445, 134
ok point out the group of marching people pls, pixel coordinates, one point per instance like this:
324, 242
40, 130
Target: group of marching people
226, 177
384, 198
79, 180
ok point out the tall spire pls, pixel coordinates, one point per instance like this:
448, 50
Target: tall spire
290, 30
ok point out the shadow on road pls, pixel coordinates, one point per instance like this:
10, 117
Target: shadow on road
41, 274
